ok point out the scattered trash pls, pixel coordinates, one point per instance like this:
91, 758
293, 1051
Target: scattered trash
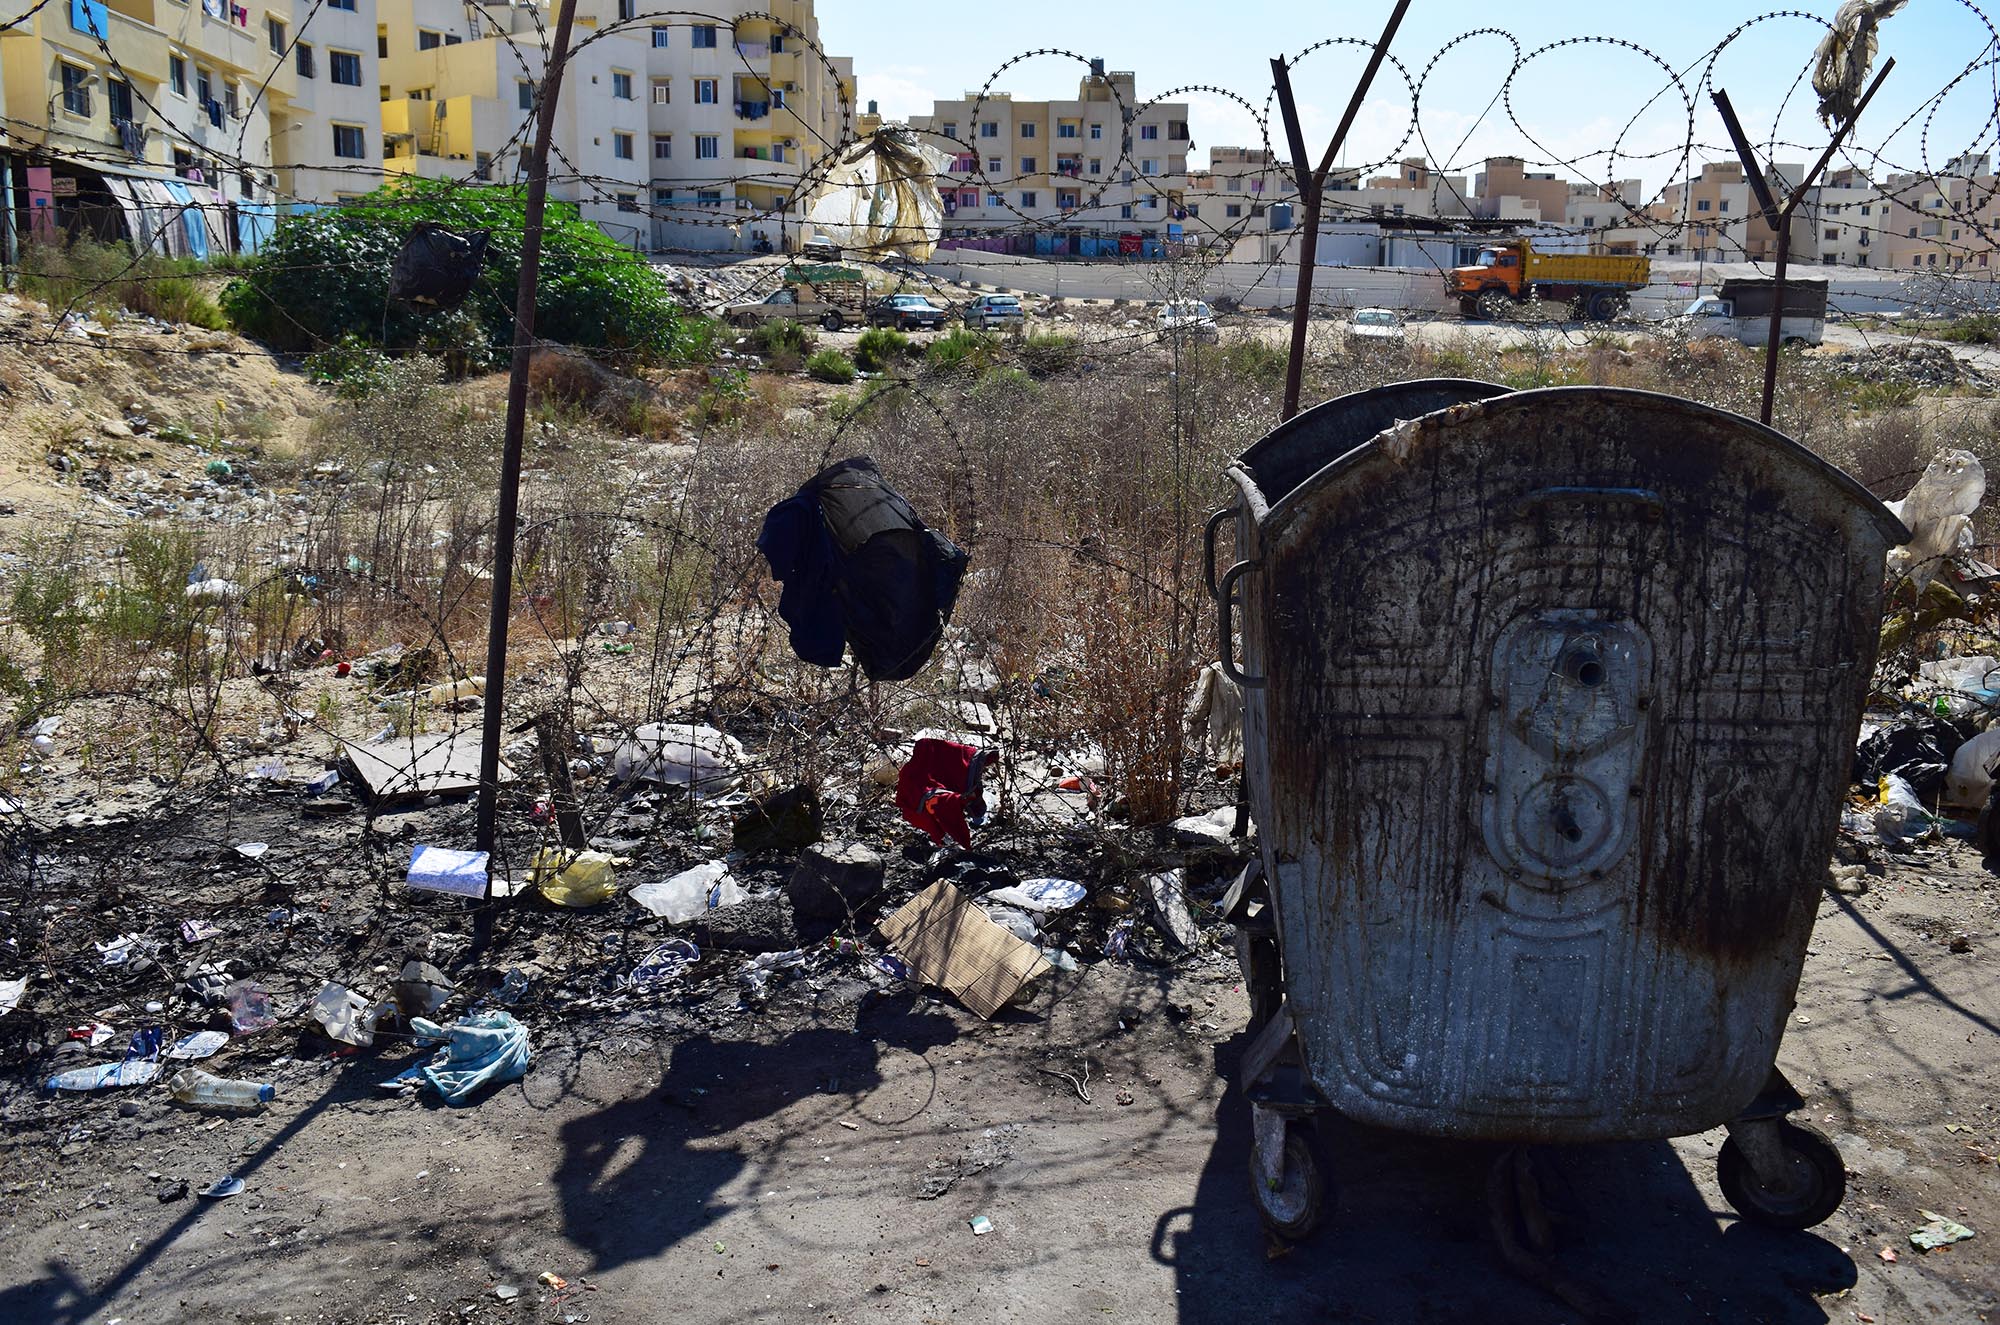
1012, 919
1119, 937
953, 945
198, 1045
197, 931
680, 754
324, 783
205, 1090
690, 893
346, 1016
223, 1188
506, 1292
573, 878
1970, 780
1061, 959
1938, 513
664, 963
482, 1049
420, 989
249, 1005
104, 1076
207, 983
172, 1190
860, 570
789, 821
444, 870
1169, 903
435, 268
90, 1033
980, 1225
11, 994
1040, 895
513, 988
1898, 814
756, 974
939, 790
252, 850
1940, 1232
1888, 1255
212, 591
833, 880
122, 949
1205, 830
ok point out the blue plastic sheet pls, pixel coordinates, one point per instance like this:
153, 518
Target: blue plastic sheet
484, 1049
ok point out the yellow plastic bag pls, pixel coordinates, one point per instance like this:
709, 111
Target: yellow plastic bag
573, 878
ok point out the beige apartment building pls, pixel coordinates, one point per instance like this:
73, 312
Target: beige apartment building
1071, 175
1946, 223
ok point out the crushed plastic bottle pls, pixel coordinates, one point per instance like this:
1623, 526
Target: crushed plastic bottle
191, 1085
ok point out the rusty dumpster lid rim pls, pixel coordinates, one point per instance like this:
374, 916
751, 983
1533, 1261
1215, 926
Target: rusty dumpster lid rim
1282, 511
1243, 468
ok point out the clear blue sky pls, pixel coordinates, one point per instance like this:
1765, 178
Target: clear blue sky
1573, 104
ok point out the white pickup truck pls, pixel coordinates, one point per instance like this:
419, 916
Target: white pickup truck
1741, 311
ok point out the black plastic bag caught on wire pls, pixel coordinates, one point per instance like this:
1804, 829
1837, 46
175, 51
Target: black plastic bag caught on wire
436, 268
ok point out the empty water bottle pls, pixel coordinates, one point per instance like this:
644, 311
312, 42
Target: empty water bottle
193, 1086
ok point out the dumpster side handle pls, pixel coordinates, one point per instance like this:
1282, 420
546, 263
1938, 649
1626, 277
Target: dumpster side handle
1225, 616
1208, 549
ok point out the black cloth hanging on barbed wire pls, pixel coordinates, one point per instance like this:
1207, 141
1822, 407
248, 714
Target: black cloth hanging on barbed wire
436, 267
860, 570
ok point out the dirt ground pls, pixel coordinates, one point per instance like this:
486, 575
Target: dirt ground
820, 1160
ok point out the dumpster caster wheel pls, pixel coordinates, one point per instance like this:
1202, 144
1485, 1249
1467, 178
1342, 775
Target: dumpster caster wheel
1809, 1179
1289, 1202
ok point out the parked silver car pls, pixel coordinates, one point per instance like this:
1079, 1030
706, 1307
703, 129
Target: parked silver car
995, 310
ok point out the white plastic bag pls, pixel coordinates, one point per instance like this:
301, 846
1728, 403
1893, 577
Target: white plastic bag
680, 754
1899, 815
1938, 512
1970, 778
690, 893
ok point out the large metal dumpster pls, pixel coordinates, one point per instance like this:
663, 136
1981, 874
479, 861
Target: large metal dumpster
1551, 703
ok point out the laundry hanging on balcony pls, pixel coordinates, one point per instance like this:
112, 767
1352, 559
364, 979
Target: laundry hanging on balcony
879, 197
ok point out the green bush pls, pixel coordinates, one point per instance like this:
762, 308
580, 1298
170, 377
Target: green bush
1977, 329
960, 350
830, 365
85, 275
1046, 353
325, 275
782, 336
878, 348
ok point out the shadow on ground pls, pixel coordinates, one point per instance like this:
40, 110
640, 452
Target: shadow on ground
620, 1206
1407, 1239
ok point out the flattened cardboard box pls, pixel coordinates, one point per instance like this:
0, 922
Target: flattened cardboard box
954, 945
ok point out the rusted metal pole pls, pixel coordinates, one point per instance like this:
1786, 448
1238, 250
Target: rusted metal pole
485, 832
1780, 219
1310, 188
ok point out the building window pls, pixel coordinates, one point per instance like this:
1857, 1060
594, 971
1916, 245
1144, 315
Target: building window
949, 129
627, 9
1149, 167
989, 130
995, 200
708, 197
969, 198
707, 147
344, 67
628, 202
660, 39
1701, 204
1027, 165
75, 95
1096, 131
524, 94
1027, 131
1149, 132
382, 44
703, 38
274, 29
1066, 201
348, 142
177, 75
621, 85
663, 147
777, 43
1065, 131
428, 40
347, 5
302, 58
204, 94
1722, 206
1028, 198
452, 39
1125, 212
704, 92
1864, 209
118, 99
663, 92
1096, 166
482, 165
621, 146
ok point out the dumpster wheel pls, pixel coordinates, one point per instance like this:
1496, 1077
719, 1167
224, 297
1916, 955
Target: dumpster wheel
1290, 1205
1814, 1179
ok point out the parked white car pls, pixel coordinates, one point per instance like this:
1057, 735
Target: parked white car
1376, 324
1190, 318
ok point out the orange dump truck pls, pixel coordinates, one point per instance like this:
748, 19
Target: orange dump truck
1595, 286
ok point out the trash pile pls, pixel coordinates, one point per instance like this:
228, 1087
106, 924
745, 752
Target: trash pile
1929, 744
1926, 364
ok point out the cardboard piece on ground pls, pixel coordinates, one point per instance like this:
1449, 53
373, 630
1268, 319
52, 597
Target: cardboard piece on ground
952, 944
420, 765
